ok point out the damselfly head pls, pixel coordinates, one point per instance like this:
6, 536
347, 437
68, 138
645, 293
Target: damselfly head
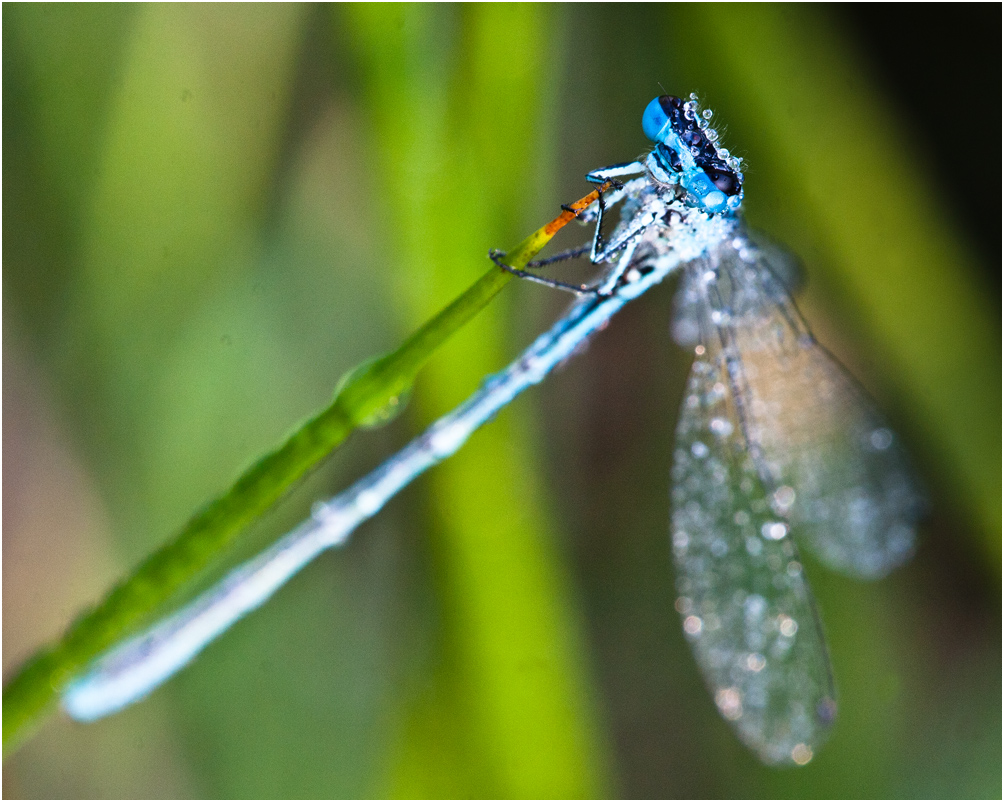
687, 153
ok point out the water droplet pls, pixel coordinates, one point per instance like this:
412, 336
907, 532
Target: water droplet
368, 502
729, 703
787, 625
783, 499
755, 662
692, 625
390, 409
801, 754
721, 427
881, 439
387, 412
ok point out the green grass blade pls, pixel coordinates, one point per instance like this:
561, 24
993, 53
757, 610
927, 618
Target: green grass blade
363, 396
506, 707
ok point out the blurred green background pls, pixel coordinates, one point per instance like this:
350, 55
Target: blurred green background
211, 212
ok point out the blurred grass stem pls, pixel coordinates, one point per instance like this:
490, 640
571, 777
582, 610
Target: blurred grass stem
364, 395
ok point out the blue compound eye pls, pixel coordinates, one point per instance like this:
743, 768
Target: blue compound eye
686, 154
662, 111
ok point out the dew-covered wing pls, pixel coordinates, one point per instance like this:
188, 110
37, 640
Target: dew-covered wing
747, 610
848, 490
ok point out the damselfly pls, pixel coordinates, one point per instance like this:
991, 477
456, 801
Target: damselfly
775, 442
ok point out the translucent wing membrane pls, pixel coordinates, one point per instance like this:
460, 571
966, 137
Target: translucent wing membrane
837, 471
747, 610
774, 440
